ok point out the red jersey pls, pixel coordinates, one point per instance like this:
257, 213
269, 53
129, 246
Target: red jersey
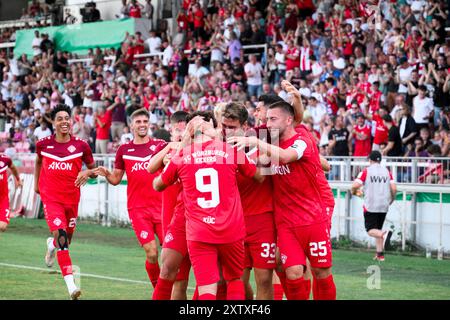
375, 100
362, 146
199, 21
292, 63
135, 11
103, 132
5, 163
381, 131
297, 195
61, 163
171, 196
325, 190
211, 197
134, 159
256, 197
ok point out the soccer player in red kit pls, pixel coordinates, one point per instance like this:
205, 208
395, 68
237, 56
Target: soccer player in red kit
302, 224
5, 163
143, 203
215, 227
257, 204
58, 178
175, 264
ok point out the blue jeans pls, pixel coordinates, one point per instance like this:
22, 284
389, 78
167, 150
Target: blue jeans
254, 90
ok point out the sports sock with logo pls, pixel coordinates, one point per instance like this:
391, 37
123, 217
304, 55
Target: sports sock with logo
152, 271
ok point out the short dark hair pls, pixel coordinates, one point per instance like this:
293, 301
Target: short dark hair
387, 118
236, 111
61, 108
178, 116
284, 106
269, 99
140, 112
162, 134
206, 115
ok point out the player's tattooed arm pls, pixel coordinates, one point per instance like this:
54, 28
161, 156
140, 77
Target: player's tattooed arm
37, 173
113, 178
276, 154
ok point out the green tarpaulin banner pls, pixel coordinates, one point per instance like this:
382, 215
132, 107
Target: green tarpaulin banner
78, 38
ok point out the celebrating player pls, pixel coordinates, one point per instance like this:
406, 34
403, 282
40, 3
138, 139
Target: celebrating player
143, 203
215, 227
302, 224
58, 178
5, 163
258, 211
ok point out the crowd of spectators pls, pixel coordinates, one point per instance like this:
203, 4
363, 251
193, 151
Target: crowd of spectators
373, 74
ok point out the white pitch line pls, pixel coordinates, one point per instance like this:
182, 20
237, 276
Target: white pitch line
87, 275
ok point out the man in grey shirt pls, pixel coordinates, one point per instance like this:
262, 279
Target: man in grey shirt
379, 192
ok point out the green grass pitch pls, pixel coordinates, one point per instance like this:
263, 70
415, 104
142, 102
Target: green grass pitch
114, 266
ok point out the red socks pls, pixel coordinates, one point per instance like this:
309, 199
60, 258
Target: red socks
163, 289
297, 289
64, 261
222, 291
152, 271
195, 295
235, 290
307, 288
277, 291
207, 296
326, 289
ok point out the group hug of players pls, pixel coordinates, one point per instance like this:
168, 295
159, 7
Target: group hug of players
221, 199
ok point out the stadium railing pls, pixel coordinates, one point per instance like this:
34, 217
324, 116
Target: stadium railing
419, 215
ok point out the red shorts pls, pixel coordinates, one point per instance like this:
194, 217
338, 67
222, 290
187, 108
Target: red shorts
260, 241
61, 216
205, 259
145, 225
175, 238
4, 209
312, 242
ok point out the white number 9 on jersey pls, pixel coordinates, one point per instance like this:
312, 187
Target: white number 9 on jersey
212, 187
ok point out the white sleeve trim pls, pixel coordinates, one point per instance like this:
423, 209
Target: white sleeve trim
359, 181
299, 146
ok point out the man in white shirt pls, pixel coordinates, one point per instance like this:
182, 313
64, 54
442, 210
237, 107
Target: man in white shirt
253, 70
317, 111
42, 131
280, 61
422, 107
39, 101
36, 44
167, 53
153, 43
198, 71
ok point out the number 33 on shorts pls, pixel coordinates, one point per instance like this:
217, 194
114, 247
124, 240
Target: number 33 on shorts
268, 250
318, 249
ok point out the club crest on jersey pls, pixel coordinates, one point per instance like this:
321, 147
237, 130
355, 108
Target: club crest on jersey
283, 258
57, 222
209, 220
144, 234
153, 147
168, 238
60, 166
139, 166
71, 149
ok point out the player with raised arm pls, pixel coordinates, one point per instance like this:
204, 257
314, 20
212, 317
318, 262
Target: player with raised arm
143, 203
58, 177
215, 227
302, 224
5, 164
175, 264
257, 204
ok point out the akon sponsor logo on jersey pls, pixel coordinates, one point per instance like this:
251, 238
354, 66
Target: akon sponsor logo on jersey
139, 166
60, 166
280, 169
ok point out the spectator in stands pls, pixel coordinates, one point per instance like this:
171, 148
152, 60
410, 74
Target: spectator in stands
46, 43
103, 126
340, 143
154, 42
422, 108
394, 146
36, 44
254, 74
42, 131
407, 126
81, 128
135, 9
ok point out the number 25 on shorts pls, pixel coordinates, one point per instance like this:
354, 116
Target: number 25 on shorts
318, 248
